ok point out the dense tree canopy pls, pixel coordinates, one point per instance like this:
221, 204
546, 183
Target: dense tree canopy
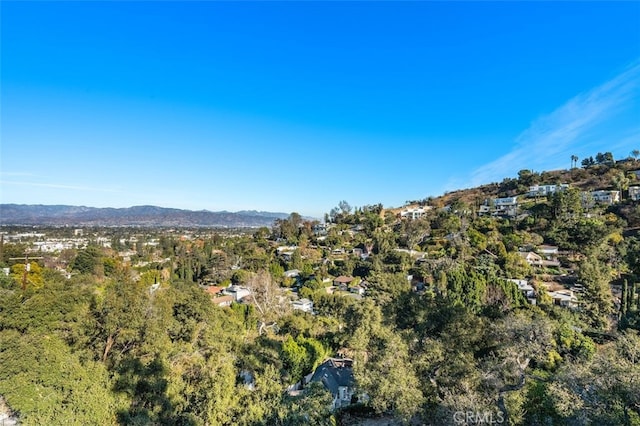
432, 312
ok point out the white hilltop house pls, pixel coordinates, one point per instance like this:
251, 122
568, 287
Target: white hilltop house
414, 213
237, 292
304, 305
564, 298
544, 190
507, 206
605, 196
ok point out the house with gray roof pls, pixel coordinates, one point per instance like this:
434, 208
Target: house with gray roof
526, 289
336, 374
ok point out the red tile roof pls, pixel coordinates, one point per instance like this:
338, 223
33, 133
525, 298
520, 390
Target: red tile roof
214, 290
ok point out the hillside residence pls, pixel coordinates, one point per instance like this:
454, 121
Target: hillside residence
544, 190
292, 273
505, 203
222, 301
607, 197
238, 293
336, 374
548, 252
531, 258
484, 208
414, 213
564, 298
319, 229
500, 206
214, 290
356, 289
527, 289
634, 193
577, 288
342, 282
304, 305
535, 259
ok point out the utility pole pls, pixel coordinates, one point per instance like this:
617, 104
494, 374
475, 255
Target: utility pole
27, 268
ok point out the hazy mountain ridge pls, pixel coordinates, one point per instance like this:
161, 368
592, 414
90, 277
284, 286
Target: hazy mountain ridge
26, 214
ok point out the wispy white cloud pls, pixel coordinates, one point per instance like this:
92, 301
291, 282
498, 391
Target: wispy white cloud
56, 186
557, 135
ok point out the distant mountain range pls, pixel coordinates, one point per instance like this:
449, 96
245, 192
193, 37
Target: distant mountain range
148, 216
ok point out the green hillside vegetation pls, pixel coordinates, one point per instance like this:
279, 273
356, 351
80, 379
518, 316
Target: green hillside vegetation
441, 331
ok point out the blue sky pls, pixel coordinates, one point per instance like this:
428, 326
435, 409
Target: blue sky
294, 106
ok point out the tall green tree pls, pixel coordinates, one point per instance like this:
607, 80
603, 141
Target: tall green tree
46, 383
387, 377
88, 261
597, 298
120, 319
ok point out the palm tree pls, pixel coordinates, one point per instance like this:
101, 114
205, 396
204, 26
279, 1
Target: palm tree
574, 160
635, 153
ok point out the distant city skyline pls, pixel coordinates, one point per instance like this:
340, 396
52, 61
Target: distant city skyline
295, 106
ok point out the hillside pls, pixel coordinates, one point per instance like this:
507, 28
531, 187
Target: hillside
594, 177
